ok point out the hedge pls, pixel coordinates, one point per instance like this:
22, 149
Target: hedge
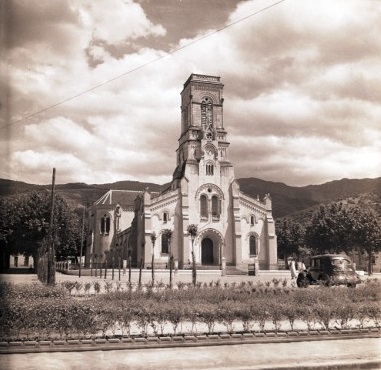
39, 312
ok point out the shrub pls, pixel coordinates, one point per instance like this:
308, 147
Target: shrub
192, 314
373, 311
276, 314
97, 287
36, 311
125, 319
207, 315
324, 314
291, 312
87, 287
69, 285
245, 314
226, 314
78, 286
108, 286
175, 314
260, 313
344, 313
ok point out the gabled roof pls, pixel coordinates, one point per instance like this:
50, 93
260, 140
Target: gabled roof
121, 197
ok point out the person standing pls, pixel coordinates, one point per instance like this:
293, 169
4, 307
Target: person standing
293, 269
303, 266
299, 267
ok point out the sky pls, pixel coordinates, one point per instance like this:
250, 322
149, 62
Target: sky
92, 88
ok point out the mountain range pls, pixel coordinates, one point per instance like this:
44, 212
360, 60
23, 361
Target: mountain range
287, 200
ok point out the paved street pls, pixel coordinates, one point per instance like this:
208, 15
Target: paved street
185, 276
336, 354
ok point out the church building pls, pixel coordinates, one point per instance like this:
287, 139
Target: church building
232, 227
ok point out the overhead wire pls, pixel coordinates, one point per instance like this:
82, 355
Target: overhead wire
141, 66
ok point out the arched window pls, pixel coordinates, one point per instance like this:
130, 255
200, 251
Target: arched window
204, 206
105, 225
252, 220
164, 243
206, 113
117, 214
253, 245
216, 209
209, 169
165, 217
184, 119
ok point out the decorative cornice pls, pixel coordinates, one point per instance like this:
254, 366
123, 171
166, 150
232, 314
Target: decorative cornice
253, 207
165, 203
204, 189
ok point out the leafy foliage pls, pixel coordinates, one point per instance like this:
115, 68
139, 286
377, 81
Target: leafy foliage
25, 224
330, 229
343, 227
290, 237
39, 312
192, 230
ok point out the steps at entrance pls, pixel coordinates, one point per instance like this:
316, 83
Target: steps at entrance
208, 267
233, 270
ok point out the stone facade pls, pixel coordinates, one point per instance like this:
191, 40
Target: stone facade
231, 225
108, 217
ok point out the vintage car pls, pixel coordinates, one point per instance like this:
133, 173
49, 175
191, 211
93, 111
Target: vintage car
329, 269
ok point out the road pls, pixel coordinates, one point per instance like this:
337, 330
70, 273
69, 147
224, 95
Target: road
184, 276
334, 354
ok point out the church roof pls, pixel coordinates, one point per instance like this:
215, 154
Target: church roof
179, 172
121, 197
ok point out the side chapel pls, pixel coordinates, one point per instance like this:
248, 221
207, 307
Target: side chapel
230, 224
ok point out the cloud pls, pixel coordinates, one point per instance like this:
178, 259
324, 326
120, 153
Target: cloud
127, 19
42, 23
301, 97
313, 157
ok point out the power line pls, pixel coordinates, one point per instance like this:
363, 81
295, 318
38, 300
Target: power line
141, 66
9, 176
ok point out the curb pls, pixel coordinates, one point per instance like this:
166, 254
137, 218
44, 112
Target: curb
127, 343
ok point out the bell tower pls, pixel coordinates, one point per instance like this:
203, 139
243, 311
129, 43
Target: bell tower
203, 137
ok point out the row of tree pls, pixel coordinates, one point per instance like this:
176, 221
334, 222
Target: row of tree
337, 227
25, 222
334, 228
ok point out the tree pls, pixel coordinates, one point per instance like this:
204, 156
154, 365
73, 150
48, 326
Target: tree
168, 233
366, 233
68, 229
192, 230
153, 240
26, 226
290, 237
330, 229
7, 222
341, 227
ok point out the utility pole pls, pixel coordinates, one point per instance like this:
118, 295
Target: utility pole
51, 280
81, 250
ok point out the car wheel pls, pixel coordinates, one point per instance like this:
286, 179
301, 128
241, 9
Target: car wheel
302, 283
326, 281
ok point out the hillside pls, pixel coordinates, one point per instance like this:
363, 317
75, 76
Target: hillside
291, 199
287, 200
75, 193
344, 188
366, 200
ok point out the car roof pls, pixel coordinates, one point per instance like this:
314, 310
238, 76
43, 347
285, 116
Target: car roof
331, 256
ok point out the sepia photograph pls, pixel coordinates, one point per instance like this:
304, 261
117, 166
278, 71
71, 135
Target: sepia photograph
190, 184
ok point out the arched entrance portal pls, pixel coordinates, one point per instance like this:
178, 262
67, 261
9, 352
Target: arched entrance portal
207, 257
